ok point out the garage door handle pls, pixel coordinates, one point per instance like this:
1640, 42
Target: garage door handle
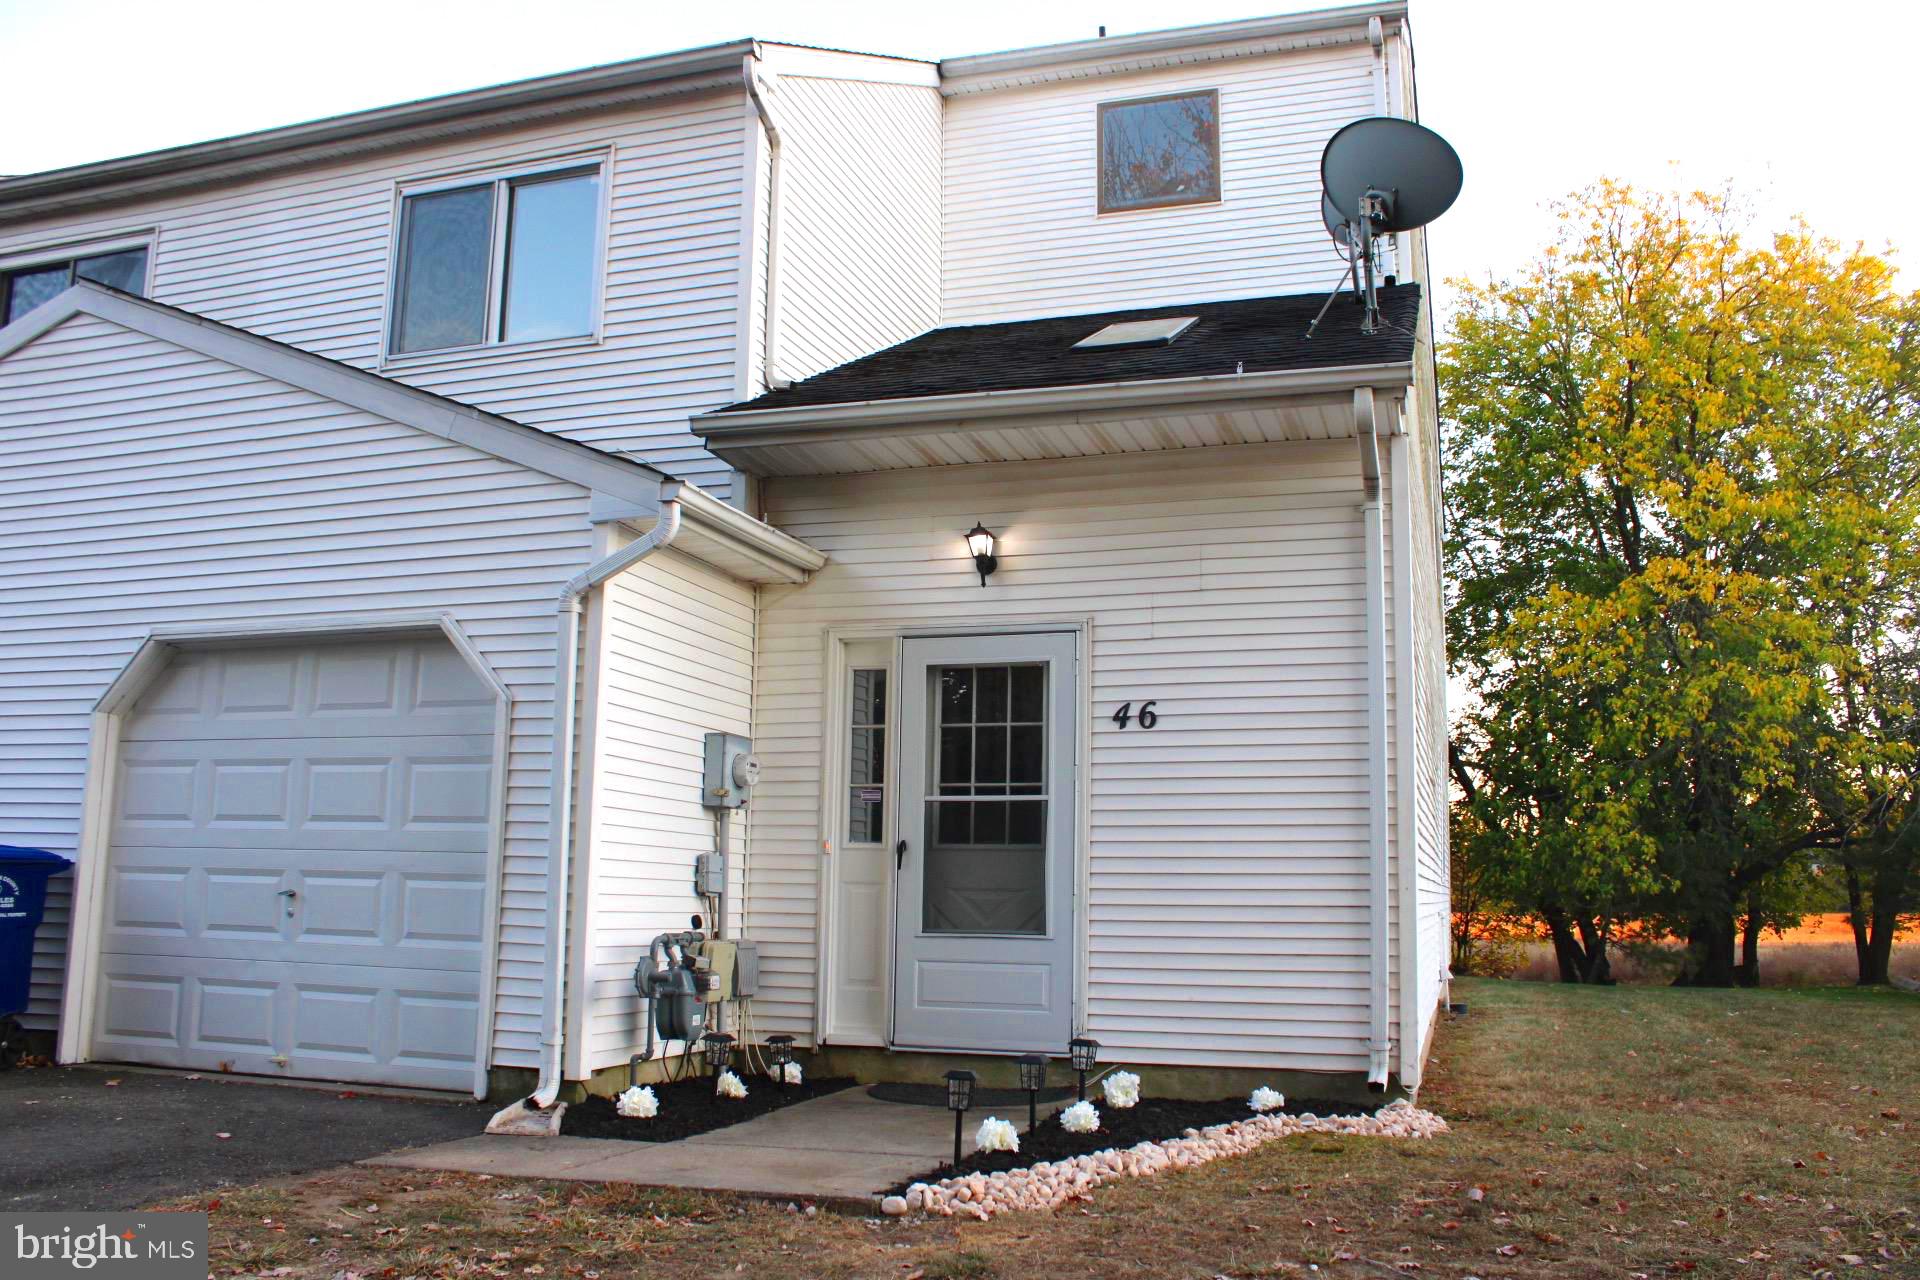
899, 855
291, 896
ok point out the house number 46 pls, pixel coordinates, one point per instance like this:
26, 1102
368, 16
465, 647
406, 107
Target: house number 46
1148, 717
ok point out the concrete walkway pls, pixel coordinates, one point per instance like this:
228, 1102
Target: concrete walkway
845, 1148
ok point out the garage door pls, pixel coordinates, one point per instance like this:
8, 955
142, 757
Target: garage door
299, 866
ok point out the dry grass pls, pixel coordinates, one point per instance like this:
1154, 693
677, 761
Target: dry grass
1615, 1132
1782, 964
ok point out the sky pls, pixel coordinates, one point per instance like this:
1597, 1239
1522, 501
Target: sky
1805, 109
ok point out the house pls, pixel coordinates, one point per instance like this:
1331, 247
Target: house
395, 503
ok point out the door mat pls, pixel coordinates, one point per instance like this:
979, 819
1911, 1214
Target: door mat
935, 1095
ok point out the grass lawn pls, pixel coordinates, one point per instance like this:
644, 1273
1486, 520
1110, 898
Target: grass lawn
1626, 1131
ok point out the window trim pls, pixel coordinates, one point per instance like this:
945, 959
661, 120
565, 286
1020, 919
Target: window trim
502, 178
70, 251
1100, 150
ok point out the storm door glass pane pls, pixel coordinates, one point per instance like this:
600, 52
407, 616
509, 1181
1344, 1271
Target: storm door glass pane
551, 243
28, 289
986, 866
125, 271
867, 759
446, 248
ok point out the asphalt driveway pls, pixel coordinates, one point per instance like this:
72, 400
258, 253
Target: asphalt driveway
71, 1140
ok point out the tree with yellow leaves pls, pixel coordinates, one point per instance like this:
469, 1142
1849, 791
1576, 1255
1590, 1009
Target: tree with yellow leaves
1684, 563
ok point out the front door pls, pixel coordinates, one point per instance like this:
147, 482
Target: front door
983, 908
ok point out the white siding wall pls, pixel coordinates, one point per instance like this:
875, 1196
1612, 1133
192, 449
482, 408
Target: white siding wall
302, 258
1434, 892
677, 640
1023, 237
1228, 846
141, 484
860, 234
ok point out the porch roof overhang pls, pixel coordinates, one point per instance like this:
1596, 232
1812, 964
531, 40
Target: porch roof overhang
1055, 422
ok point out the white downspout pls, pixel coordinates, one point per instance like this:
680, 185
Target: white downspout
560, 845
1379, 1043
770, 336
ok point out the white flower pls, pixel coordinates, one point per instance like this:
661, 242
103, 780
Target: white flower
792, 1073
1265, 1099
996, 1135
637, 1103
1081, 1117
1122, 1089
730, 1086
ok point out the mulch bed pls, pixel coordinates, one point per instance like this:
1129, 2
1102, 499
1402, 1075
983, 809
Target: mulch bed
1149, 1120
688, 1107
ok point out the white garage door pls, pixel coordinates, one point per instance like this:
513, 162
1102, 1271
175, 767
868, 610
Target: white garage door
299, 865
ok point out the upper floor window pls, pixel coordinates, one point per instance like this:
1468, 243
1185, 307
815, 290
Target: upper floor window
1159, 152
26, 287
507, 260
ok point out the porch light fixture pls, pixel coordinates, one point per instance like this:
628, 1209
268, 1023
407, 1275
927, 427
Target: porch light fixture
959, 1099
1083, 1053
781, 1048
1033, 1078
718, 1046
980, 546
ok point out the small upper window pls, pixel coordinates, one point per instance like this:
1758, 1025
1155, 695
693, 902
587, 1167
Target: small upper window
511, 260
1159, 152
24, 289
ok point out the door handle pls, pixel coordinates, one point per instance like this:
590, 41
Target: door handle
899, 855
291, 896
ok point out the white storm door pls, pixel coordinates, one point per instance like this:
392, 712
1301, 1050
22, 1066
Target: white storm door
983, 911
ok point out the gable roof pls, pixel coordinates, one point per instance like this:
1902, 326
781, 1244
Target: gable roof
489, 433
1238, 337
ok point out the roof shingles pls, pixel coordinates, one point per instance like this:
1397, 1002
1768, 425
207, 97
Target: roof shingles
1252, 335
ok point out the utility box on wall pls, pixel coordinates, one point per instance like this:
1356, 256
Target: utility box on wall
731, 770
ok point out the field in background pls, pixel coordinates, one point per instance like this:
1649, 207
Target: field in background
1597, 1131
1817, 954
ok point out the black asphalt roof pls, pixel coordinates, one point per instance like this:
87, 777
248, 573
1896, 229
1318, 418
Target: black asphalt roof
1250, 335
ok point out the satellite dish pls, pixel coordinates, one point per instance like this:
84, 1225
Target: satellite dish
1381, 175
1412, 167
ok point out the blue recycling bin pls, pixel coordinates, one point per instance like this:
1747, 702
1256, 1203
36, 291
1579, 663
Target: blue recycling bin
23, 901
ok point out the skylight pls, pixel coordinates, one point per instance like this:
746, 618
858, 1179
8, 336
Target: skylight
1137, 333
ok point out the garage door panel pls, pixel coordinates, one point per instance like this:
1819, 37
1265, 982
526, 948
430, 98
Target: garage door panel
406, 1026
298, 882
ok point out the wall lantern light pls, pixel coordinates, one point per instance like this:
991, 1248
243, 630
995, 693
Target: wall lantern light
1083, 1053
1033, 1078
719, 1048
959, 1098
980, 546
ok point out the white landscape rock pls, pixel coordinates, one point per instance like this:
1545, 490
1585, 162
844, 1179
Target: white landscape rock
996, 1135
730, 1086
637, 1102
1046, 1186
1081, 1117
1122, 1089
792, 1073
1264, 1100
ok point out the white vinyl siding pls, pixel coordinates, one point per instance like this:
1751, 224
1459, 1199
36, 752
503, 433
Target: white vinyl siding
860, 230
1023, 234
1228, 869
676, 641
1428, 633
141, 485
303, 258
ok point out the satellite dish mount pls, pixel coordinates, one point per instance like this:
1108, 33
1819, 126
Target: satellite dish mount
1381, 175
